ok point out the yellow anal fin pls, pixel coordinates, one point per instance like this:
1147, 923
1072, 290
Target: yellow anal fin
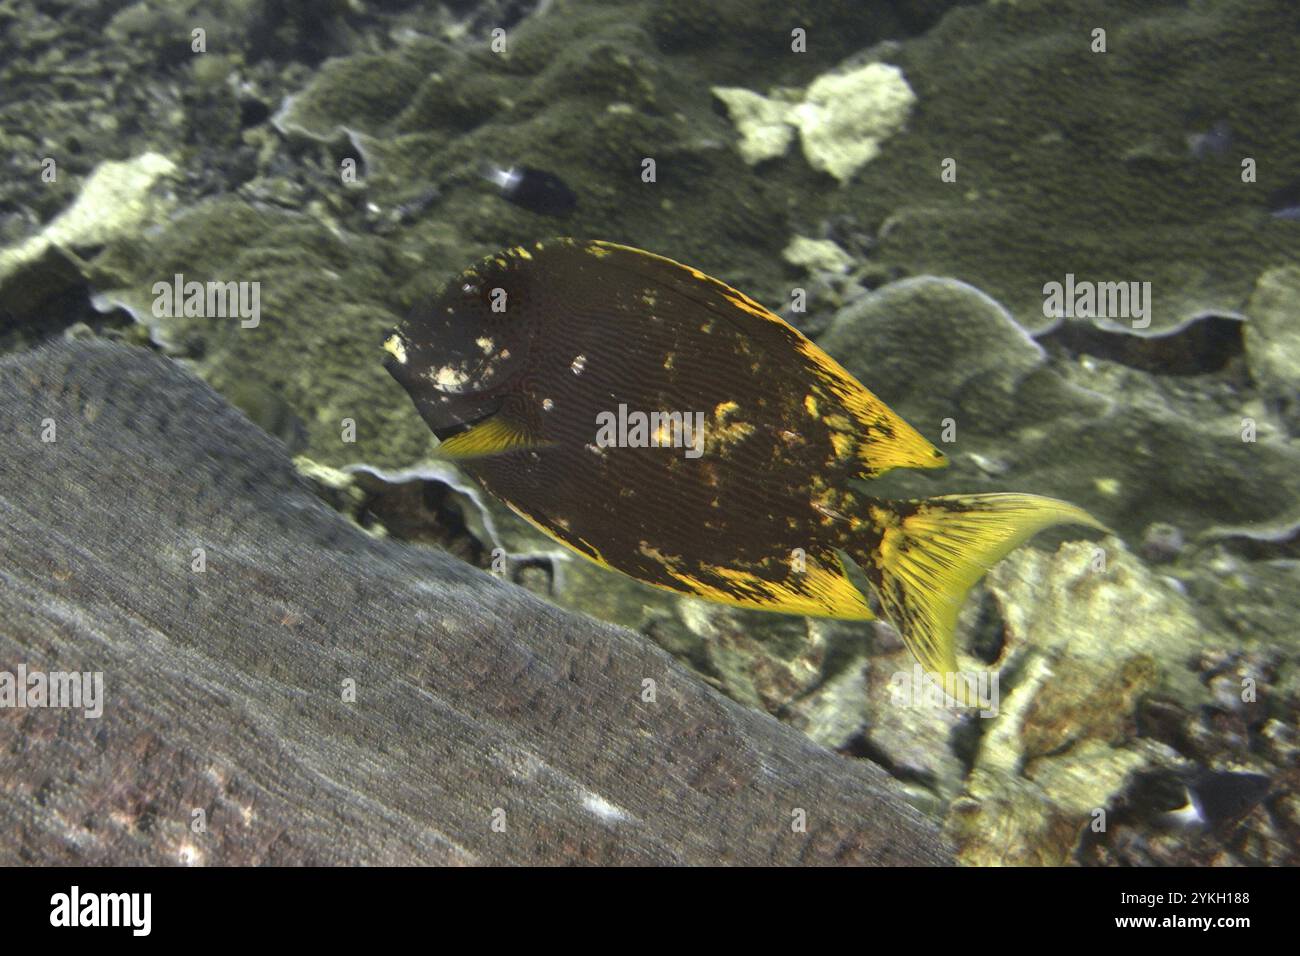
812, 590
932, 551
491, 437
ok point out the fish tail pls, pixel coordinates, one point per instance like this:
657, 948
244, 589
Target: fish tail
922, 556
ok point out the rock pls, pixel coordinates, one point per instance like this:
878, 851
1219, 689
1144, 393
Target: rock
936, 348
763, 124
816, 255
1042, 190
119, 198
844, 117
1273, 338
1131, 447
1161, 543
230, 691
1087, 638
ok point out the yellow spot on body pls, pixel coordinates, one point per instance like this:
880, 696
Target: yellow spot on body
523, 253
844, 444
485, 344
725, 429
657, 556
810, 405
394, 347
668, 361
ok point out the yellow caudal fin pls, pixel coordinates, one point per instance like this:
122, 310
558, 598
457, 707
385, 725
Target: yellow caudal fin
929, 553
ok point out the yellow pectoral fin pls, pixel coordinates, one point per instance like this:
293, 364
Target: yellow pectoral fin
491, 437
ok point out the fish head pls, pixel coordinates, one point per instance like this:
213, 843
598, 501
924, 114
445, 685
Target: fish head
458, 355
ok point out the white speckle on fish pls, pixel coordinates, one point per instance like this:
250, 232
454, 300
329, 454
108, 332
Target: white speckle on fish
393, 346
578, 364
449, 376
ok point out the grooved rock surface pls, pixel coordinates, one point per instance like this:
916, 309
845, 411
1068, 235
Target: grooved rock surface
224, 689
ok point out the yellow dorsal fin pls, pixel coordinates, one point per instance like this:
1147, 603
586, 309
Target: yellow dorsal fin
881, 438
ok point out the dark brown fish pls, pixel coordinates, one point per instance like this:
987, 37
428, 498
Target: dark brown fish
665, 425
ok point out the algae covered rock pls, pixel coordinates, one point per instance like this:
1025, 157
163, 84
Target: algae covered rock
842, 118
816, 255
1090, 632
1132, 447
937, 349
1273, 338
1091, 172
762, 123
119, 199
325, 696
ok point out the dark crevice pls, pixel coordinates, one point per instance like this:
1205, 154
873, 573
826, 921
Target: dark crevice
1203, 346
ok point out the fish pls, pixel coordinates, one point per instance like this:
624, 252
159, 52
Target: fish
533, 189
662, 424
